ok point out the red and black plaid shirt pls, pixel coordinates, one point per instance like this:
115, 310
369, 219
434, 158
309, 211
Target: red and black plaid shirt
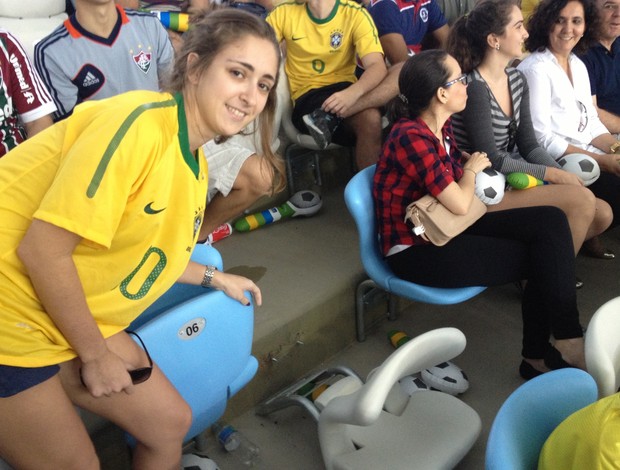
413, 163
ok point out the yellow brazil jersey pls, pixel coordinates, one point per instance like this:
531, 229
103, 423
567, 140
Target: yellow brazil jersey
119, 173
587, 439
322, 52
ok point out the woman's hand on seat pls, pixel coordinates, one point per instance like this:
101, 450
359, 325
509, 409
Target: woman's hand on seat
234, 286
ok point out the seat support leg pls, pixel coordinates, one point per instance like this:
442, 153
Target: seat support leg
289, 396
392, 307
365, 290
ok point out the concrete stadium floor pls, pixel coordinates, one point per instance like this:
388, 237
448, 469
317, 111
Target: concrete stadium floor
492, 324
299, 261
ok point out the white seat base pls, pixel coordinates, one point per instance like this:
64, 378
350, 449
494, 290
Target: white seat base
404, 442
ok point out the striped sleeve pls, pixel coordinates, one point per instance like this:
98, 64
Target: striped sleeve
63, 92
29, 94
484, 127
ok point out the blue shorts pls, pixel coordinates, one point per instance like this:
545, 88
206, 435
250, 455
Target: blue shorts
17, 379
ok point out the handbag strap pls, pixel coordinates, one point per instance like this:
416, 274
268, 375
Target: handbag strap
412, 214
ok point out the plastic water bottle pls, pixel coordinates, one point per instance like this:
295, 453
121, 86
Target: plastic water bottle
233, 441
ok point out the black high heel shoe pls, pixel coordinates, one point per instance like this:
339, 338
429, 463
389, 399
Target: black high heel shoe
595, 249
578, 283
553, 360
528, 371
520, 285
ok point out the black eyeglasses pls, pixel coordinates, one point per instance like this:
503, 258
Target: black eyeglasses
463, 78
140, 375
583, 119
512, 135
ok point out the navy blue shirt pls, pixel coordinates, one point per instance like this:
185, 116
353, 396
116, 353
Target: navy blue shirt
412, 19
604, 70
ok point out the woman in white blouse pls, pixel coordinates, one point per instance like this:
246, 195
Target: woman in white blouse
564, 117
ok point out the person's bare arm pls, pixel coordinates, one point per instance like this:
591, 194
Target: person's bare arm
394, 47
441, 36
36, 126
610, 120
341, 102
47, 253
458, 196
232, 285
380, 95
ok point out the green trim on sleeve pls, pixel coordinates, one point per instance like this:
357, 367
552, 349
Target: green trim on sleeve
368, 17
116, 142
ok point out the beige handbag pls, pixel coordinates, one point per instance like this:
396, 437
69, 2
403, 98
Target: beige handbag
435, 223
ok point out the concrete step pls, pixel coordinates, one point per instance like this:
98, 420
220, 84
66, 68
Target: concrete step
307, 269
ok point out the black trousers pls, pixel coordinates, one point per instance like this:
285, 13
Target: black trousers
531, 243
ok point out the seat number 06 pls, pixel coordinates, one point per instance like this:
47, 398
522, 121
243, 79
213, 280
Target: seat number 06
192, 328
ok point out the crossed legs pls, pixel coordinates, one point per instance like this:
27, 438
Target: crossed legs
587, 215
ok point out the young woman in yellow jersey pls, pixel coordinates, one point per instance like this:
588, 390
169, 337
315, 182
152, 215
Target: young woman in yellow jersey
100, 213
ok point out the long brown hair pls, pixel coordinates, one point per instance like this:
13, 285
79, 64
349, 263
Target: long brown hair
210, 31
467, 41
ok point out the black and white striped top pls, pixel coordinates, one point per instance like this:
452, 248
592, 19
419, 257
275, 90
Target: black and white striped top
484, 127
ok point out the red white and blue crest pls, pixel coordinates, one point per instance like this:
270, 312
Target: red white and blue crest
143, 61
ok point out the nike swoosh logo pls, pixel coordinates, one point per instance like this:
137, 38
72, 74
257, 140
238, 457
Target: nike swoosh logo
149, 210
297, 39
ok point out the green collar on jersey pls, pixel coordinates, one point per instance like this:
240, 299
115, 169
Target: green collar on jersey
188, 156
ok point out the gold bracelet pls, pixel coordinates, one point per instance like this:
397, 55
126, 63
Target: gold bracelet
469, 169
615, 147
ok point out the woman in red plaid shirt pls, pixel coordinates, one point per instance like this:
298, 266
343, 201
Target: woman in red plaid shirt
420, 157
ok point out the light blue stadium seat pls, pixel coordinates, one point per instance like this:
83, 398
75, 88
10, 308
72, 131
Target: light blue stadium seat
359, 200
202, 341
531, 413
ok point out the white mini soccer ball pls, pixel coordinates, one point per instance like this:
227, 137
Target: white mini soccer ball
581, 165
490, 186
412, 383
446, 377
197, 462
306, 202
